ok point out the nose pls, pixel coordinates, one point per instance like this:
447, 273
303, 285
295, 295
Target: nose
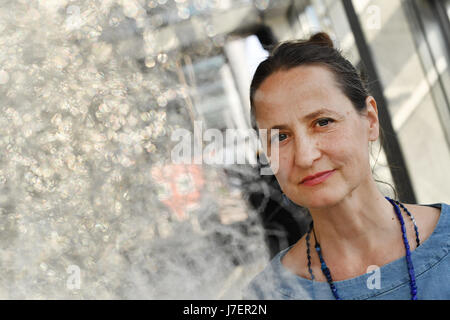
306, 151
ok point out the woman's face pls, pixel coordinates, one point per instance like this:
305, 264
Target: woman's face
320, 132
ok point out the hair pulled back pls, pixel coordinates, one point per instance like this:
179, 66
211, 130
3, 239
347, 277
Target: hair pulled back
318, 49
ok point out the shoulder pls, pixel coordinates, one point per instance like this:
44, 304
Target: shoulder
271, 283
427, 217
264, 285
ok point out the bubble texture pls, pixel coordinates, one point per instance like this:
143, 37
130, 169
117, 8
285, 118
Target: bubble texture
86, 98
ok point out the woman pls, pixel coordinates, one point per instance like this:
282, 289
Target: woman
360, 244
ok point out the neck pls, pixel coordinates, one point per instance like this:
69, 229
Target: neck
356, 226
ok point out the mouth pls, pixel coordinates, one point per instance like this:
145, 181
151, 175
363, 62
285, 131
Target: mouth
317, 178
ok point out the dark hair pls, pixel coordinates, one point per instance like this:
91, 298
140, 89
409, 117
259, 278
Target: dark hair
317, 50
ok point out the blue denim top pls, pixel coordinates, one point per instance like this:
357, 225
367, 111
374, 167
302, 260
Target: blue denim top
431, 262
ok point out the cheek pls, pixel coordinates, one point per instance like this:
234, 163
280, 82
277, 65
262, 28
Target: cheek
350, 150
343, 148
283, 169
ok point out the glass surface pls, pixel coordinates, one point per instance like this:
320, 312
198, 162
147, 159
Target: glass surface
407, 88
93, 204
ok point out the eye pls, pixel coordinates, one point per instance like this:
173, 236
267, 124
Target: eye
324, 121
280, 137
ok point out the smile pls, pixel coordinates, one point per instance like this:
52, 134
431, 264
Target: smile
317, 178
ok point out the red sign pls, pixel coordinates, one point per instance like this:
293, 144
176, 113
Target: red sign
180, 186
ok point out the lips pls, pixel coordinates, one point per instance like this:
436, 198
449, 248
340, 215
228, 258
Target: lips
317, 178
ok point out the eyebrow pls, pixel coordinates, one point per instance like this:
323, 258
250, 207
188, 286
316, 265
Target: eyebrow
308, 117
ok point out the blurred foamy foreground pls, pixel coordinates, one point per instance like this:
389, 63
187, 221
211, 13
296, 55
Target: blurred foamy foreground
91, 206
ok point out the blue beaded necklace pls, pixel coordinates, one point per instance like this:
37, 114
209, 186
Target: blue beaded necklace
326, 271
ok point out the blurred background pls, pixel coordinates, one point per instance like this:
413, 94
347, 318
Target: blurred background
92, 206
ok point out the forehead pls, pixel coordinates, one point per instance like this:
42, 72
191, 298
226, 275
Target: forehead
305, 87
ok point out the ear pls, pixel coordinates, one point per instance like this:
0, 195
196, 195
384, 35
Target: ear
372, 117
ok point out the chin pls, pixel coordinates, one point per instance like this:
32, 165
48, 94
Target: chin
322, 204
322, 201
